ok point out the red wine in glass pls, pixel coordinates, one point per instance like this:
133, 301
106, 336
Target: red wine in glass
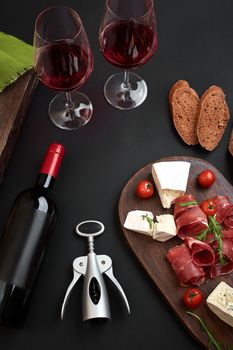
63, 66
63, 61
128, 39
128, 44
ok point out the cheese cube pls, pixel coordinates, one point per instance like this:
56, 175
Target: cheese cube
165, 228
220, 301
140, 221
171, 180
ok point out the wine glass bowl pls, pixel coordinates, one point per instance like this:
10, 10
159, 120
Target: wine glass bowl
63, 61
128, 39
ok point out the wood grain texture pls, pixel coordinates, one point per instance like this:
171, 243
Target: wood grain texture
152, 254
14, 101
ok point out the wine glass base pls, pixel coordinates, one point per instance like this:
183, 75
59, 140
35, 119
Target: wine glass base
73, 117
125, 97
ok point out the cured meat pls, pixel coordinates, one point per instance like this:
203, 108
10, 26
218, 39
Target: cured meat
223, 208
187, 272
228, 233
194, 259
227, 250
179, 209
218, 269
202, 254
191, 222
225, 216
221, 202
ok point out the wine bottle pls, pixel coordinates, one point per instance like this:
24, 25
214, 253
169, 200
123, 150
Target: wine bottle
25, 239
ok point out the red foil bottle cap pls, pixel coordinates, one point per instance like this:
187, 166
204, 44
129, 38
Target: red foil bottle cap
53, 159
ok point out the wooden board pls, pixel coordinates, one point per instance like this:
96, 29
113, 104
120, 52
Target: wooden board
152, 254
14, 101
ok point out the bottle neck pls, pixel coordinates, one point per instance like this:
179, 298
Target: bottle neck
45, 181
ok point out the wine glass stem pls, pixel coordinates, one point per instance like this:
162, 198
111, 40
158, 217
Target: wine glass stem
70, 112
126, 83
69, 102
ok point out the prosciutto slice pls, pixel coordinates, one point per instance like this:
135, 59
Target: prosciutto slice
221, 202
228, 233
227, 250
225, 216
191, 222
179, 209
224, 211
202, 254
187, 272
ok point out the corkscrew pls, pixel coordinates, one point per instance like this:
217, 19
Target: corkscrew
95, 302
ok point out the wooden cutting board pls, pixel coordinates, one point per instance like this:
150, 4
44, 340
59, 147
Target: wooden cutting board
14, 101
152, 254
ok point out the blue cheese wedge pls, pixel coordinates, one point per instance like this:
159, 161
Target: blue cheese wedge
140, 221
220, 301
171, 180
164, 228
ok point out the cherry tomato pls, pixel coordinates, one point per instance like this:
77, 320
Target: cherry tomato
145, 189
209, 207
192, 298
206, 178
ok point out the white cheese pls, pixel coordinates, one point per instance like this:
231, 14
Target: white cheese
165, 228
220, 301
171, 180
140, 221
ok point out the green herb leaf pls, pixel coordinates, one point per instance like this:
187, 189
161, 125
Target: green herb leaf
149, 220
216, 229
211, 339
186, 204
202, 235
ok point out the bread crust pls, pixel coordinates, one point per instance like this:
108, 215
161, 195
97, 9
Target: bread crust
230, 144
213, 115
183, 104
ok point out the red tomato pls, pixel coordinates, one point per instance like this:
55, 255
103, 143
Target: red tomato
192, 298
145, 189
209, 207
206, 178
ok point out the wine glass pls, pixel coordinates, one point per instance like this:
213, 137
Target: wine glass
128, 39
63, 61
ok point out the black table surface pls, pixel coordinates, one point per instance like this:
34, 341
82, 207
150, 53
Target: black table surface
195, 44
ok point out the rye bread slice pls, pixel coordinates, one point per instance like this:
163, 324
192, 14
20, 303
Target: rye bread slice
213, 115
230, 144
183, 103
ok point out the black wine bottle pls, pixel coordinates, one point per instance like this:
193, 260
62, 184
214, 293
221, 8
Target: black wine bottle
25, 239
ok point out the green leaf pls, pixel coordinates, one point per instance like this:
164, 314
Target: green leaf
149, 220
187, 204
211, 339
202, 235
216, 229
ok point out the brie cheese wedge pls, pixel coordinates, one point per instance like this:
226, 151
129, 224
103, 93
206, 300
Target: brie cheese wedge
171, 179
220, 301
164, 228
140, 221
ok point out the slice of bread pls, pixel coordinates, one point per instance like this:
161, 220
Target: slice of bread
230, 144
213, 115
183, 103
